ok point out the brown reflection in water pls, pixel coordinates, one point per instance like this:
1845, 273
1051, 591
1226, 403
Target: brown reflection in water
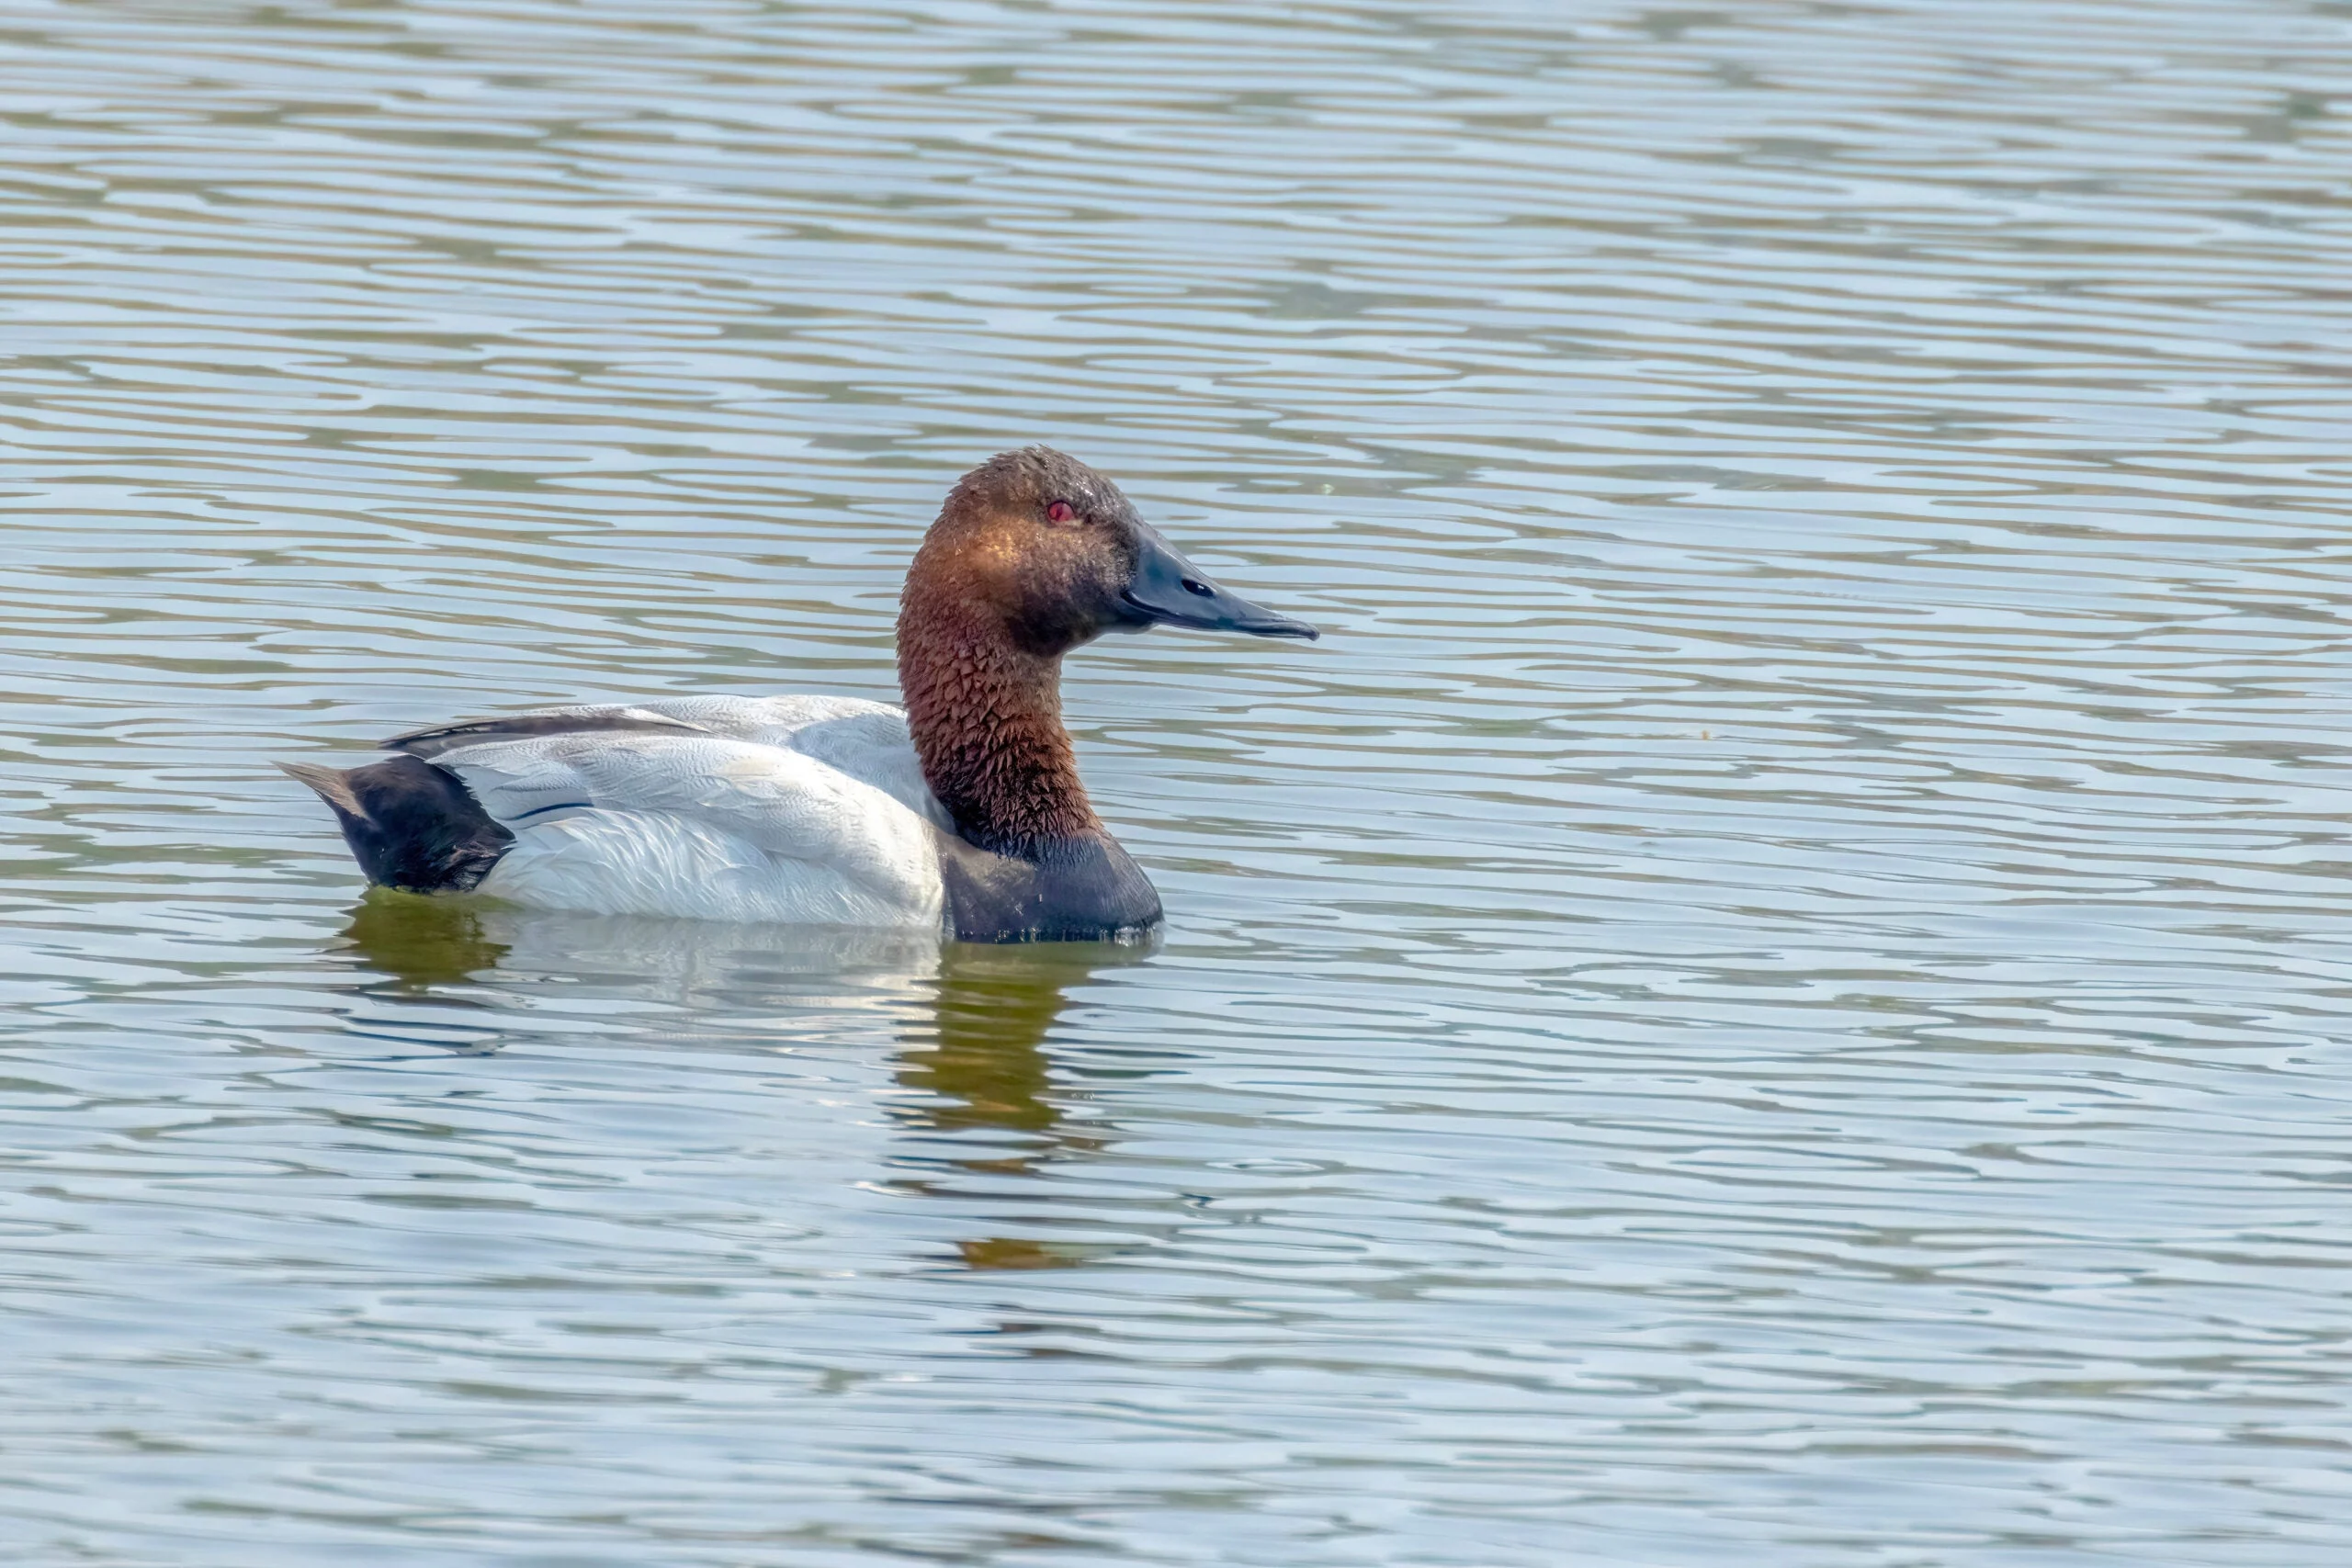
419, 941
981, 1068
982, 1097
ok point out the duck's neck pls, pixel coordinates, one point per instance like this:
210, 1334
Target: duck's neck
985, 717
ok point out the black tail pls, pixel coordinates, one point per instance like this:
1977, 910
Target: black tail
411, 825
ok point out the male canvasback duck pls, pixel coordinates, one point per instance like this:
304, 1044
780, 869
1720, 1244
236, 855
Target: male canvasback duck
961, 814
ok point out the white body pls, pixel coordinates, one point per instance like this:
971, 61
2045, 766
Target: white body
802, 810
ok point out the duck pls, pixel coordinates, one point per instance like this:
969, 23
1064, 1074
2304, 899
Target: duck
961, 812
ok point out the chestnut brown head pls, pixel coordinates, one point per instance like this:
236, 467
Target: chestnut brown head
1039, 545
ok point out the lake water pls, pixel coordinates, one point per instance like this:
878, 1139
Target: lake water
1775, 991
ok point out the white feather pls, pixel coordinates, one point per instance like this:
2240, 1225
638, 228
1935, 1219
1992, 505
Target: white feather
804, 810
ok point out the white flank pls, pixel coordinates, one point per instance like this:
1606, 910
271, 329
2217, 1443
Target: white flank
800, 811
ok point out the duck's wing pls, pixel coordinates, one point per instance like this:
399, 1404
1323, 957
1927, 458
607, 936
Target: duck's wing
867, 741
428, 744
637, 818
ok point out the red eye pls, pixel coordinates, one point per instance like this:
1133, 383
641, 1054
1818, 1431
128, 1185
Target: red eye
1061, 511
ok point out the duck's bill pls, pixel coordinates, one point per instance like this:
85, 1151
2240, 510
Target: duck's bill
1169, 590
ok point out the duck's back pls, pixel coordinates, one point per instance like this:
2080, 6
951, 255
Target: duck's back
799, 810
866, 740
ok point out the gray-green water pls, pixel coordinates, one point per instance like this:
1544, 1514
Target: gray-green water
1774, 993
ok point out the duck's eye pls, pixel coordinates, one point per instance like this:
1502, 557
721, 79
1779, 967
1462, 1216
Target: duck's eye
1061, 511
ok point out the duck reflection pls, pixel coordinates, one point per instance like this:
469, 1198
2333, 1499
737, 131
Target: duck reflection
988, 1104
972, 1021
980, 1060
422, 942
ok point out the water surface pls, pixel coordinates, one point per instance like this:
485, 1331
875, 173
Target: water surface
1774, 991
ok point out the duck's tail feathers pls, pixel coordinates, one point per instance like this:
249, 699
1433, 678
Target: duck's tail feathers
410, 825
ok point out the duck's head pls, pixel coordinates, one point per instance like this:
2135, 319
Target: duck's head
1038, 545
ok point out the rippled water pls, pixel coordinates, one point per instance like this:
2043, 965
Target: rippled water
1774, 992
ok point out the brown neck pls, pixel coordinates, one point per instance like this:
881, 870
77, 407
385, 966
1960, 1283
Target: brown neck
987, 721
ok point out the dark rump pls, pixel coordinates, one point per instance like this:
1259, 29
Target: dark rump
410, 825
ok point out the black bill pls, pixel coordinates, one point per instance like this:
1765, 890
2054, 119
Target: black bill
1169, 590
